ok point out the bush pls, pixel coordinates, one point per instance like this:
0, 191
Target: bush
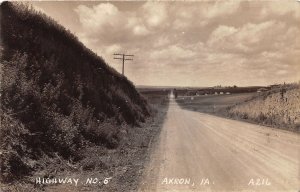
103, 133
13, 149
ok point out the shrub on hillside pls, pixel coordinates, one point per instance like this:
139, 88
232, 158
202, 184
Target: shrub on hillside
13, 148
57, 94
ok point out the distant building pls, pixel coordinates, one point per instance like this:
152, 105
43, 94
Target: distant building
274, 86
262, 90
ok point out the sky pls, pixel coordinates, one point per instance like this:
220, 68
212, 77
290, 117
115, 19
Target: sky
190, 43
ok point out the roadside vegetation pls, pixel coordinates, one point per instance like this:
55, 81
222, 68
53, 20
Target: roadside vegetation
64, 111
124, 165
277, 106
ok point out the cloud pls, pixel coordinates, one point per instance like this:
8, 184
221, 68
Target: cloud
281, 9
202, 41
115, 48
173, 52
154, 13
99, 16
140, 30
221, 35
221, 9
252, 38
282, 72
162, 41
108, 24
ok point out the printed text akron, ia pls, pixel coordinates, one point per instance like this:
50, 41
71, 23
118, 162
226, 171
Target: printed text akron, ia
184, 181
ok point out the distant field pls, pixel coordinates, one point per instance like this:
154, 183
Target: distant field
218, 90
212, 103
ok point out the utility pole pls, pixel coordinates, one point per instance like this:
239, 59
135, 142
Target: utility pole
123, 58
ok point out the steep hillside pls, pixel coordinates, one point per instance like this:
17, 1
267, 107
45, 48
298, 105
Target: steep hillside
56, 94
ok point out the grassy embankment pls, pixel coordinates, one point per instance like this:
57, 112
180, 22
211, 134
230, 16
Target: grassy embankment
64, 111
278, 107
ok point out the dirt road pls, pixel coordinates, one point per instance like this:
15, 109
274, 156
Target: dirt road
200, 152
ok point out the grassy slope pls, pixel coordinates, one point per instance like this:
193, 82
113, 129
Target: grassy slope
269, 108
278, 109
57, 96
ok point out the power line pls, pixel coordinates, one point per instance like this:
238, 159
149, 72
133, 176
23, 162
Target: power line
124, 58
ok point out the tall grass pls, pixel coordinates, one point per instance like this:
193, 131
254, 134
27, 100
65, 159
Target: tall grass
56, 94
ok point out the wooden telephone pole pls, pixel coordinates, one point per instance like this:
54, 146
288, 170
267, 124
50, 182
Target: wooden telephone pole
123, 58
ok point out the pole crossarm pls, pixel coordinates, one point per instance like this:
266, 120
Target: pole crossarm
124, 58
